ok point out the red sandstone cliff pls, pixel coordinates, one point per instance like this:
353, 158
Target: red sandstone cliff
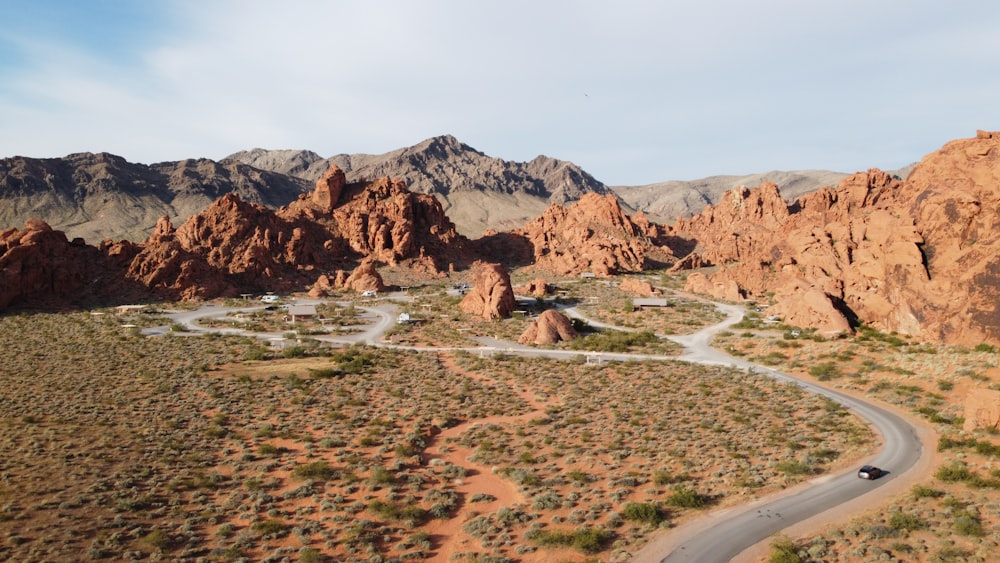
593, 235
916, 256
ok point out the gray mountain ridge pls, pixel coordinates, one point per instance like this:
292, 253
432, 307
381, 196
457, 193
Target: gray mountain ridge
103, 196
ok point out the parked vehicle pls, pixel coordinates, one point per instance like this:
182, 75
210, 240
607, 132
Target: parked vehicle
869, 472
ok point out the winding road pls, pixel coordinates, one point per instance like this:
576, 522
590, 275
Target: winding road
720, 535
729, 532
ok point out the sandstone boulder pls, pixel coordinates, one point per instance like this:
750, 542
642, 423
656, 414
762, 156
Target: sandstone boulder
537, 287
322, 287
491, 295
636, 287
364, 278
550, 327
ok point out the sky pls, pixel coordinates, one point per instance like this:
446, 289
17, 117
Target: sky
634, 92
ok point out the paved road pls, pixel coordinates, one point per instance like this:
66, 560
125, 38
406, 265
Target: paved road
739, 528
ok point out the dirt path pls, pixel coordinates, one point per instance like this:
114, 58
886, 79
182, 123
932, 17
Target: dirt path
479, 479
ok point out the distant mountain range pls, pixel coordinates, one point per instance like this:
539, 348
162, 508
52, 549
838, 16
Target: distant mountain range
103, 196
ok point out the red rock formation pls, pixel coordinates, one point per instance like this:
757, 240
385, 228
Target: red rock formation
916, 256
537, 287
594, 235
491, 296
550, 327
384, 220
636, 286
323, 287
328, 189
365, 278
38, 264
165, 266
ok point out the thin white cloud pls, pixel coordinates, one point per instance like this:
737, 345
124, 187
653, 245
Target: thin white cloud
635, 92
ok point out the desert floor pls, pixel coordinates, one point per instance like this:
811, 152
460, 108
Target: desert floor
186, 447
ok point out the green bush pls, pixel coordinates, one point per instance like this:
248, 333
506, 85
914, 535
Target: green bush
316, 471
793, 467
158, 539
271, 526
954, 472
645, 512
684, 497
586, 539
783, 551
902, 521
967, 525
920, 491
825, 371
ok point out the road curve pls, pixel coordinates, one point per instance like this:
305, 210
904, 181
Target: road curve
739, 528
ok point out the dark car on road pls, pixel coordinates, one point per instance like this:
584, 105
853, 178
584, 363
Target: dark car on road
869, 472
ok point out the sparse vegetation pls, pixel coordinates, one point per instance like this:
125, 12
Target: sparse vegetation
226, 444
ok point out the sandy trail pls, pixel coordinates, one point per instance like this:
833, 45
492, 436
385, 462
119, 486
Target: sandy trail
479, 479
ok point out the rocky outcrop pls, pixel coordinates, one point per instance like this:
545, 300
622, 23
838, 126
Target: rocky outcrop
914, 256
594, 235
235, 245
384, 220
328, 188
636, 287
550, 327
173, 272
364, 278
491, 295
38, 264
537, 287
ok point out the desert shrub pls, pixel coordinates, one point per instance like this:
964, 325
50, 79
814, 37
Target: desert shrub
644, 512
793, 467
612, 341
878, 531
953, 472
661, 478
325, 373
920, 491
271, 526
783, 551
684, 497
945, 385
381, 476
412, 515
825, 371
317, 471
158, 539
294, 352
586, 539
903, 521
547, 501
968, 525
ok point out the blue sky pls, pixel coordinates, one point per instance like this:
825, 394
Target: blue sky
634, 92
